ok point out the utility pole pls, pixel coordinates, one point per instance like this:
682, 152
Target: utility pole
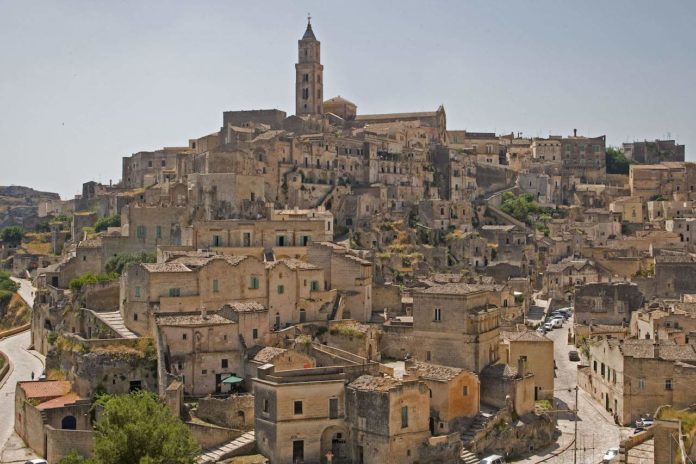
575, 433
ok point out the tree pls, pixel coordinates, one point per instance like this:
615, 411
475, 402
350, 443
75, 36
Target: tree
118, 263
617, 163
12, 235
138, 428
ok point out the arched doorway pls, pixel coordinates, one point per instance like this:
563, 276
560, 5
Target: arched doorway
334, 439
68, 423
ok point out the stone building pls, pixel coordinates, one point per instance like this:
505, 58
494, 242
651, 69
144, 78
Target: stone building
204, 348
454, 395
146, 168
607, 302
457, 324
561, 278
584, 158
536, 352
653, 152
631, 378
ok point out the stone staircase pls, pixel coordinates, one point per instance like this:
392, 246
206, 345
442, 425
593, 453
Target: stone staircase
478, 424
240, 445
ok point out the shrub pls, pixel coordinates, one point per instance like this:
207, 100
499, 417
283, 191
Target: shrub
88, 278
106, 222
119, 262
12, 235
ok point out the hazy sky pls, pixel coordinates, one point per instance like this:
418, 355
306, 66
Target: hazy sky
83, 84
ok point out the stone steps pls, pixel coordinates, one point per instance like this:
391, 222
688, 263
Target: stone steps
227, 450
468, 457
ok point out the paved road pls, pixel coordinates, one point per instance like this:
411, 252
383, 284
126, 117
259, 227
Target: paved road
597, 431
23, 364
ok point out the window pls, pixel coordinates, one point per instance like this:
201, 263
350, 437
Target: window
246, 238
216, 286
466, 390
281, 289
315, 286
158, 232
438, 315
254, 333
141, 232
428, 356
668, 384
404, 417
224, 364
183, 337
333, 408
135, 318
254, 282
265, 405
137, 292
298, 407
174, 292
217, 241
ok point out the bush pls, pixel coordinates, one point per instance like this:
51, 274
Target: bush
119, 262
78, 282
106, 222
617, 163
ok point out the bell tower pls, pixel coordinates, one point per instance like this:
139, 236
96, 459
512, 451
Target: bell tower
309, 72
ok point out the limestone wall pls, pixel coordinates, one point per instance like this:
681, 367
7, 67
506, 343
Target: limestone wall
59, 443
210, 436
235, 411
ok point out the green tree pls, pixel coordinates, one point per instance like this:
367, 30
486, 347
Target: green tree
106, 222
138, 428
77, 283
12, 235
617, 163
118, 263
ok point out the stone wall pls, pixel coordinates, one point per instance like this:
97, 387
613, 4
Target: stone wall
211, 436
510, 437
387, 297
59, 443
235, 411
101, 296
396, 341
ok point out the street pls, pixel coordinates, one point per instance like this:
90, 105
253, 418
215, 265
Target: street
597, 431
23, 364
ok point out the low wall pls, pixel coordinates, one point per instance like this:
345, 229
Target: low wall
16, 330
59, 443
210, 436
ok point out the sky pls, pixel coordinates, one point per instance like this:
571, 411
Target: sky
85, 83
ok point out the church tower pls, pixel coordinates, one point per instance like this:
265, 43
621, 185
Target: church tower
309, 72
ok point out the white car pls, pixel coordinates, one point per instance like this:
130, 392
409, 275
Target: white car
610, 454
36, 461
557, 323
548, 326
493, 459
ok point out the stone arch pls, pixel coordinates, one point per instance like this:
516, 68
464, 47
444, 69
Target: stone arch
335, 440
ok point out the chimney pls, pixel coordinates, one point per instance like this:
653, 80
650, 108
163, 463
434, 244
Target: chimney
520, 366
575, 132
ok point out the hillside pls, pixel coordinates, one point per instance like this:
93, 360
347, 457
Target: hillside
16, 313
19, 205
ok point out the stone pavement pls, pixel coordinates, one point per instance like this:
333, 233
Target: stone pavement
597, 431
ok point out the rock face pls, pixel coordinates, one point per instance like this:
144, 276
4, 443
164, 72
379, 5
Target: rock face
19, 205
511, 436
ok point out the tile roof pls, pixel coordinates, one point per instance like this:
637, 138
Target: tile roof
165, 267
245, 306
45, 388
525, 336
372, 383
292, 263
59, 402
459, 288
192, 320
435, 372
267, 354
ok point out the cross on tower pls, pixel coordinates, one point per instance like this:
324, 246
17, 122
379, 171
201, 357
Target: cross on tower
309, 18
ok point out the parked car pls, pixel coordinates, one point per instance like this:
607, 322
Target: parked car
493, 459
573, 355
644, 422
610, 454
36, 461
548, 326
541, 329
557, 323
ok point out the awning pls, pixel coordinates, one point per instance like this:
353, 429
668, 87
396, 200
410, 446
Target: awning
232, 379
